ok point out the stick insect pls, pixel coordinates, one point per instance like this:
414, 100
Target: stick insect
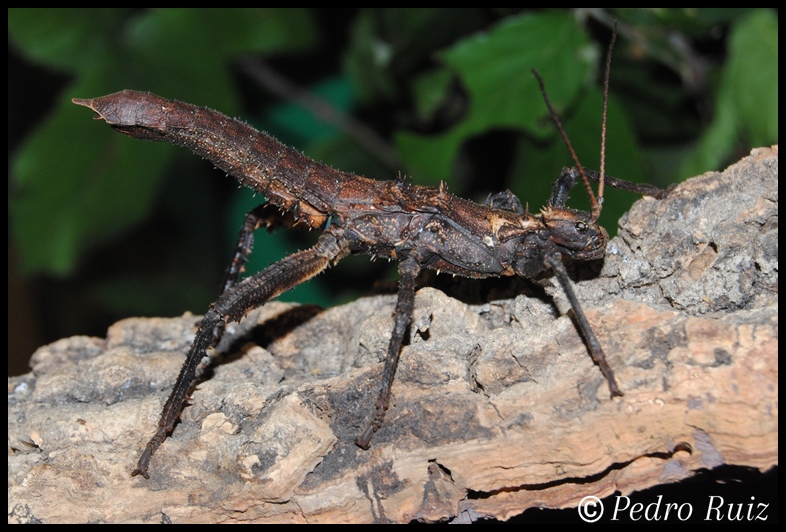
421, 227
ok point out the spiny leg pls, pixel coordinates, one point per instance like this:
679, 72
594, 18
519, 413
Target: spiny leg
554, 261
408, 271
203, 340
567, 180
645, 189
245, 243
267, 215
208, 335
235, 303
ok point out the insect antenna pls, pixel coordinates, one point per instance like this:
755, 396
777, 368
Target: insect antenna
595, 203
603, 127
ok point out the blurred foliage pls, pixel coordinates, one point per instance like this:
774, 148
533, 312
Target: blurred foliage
134, 229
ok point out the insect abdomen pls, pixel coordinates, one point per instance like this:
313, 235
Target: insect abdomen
282, 174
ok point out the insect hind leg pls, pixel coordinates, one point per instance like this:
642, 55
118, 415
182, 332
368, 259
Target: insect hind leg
232, 306
405, 304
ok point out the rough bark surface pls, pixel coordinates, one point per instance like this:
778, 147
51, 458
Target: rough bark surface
496, 406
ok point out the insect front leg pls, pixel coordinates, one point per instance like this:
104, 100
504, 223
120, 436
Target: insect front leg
408, 270
554, 261
644, 189
569, 176
233, 304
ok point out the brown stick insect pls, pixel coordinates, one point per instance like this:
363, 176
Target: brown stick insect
421, 227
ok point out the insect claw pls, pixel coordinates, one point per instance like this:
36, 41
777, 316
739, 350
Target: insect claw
364, 440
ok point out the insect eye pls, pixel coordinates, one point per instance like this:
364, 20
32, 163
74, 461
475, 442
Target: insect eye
581, 227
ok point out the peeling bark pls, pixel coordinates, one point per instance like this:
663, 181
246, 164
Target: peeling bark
496, 406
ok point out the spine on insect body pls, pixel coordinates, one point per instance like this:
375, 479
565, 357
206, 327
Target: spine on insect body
286, 177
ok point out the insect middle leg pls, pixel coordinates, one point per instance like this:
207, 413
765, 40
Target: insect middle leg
408, 270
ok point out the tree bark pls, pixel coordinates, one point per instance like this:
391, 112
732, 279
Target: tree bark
496, 406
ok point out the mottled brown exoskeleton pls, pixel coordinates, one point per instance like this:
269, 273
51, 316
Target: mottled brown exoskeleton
421, 227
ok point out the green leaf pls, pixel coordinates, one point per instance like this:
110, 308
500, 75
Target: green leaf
535, 166
367, 59
171, 51
753, 81
429, 159
496, 69
429, 91
746, 108
293, 124
66, 39
64, 204
76, 182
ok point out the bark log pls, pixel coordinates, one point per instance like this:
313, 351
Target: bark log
496, 405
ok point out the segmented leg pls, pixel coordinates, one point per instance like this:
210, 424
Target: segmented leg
567, 179
554, 261
233, 304
203, 341
644, 189
245, 243
408, 270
